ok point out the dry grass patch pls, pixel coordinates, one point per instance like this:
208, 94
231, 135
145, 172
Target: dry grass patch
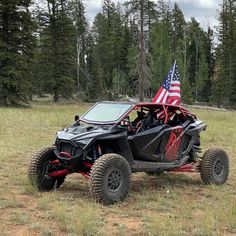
169, 204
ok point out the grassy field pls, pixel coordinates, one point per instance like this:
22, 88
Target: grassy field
170, 204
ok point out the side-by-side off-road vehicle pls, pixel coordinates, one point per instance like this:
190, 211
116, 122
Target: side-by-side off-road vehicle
112, 140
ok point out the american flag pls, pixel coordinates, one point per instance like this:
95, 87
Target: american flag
169, 93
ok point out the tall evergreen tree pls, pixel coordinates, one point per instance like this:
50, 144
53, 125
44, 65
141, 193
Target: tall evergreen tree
142, 9
161, 46
16, 51
103, 54
161, 53
110, 49
226, 54
57, 50
121, 38
179, 48
178, 28
219, 92
78, 16
196, 61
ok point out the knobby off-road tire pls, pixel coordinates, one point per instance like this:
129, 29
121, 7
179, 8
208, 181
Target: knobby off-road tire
37, 169
110, 179
214, 167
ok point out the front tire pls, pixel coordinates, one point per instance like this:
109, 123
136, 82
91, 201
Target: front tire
37, 170
110, 179
214, 167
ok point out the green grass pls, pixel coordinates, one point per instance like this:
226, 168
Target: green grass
169, 204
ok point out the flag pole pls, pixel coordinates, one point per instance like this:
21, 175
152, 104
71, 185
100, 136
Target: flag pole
173, 71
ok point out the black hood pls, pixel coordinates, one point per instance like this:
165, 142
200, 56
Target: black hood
82, 134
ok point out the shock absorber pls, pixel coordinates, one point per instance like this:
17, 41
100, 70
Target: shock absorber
94, 153
97, 152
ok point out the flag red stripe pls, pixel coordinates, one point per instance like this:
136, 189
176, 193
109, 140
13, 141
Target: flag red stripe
174, 91
172, 100
163, 96
174, 97
157, 95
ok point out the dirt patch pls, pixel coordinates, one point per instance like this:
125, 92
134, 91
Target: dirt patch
116, 225
21, 231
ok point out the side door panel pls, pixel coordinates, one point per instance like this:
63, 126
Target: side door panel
160, 143
172, 146
144, 144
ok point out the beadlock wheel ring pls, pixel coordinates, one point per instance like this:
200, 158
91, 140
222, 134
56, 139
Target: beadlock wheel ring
218, 167
114, 180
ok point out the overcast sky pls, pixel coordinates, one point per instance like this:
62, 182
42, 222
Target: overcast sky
203, 10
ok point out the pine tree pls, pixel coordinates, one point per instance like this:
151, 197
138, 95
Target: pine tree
219, 92
161, 53
206, 66
226, 56
78, 16
57, 50
210, 55
196, 61
117, 34
16, 51
112, 39
179, 49
90, 89
178, 29
142, 9
193, 38
133, 79
201, 81
103, 55
161, 46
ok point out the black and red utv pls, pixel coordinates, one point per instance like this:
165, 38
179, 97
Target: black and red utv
115, 139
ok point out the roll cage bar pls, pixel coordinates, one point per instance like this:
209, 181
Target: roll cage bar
166, 111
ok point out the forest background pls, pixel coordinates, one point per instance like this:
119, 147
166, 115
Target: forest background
125, 52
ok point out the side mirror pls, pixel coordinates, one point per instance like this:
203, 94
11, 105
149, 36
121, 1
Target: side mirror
76, 117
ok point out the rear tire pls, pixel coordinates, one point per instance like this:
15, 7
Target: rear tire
214, 167
37, 170
110, 179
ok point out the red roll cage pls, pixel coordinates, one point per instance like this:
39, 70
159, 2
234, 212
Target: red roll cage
167, 111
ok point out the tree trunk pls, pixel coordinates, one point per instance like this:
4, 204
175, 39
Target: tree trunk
197, 68
142, 53
185, 56
78, 48
56, 96
6, 101
78, 62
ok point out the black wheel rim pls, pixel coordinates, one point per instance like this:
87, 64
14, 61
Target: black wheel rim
218, 167
115, 179
43, 176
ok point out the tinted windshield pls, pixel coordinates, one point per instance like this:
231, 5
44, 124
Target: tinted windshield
106, 112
